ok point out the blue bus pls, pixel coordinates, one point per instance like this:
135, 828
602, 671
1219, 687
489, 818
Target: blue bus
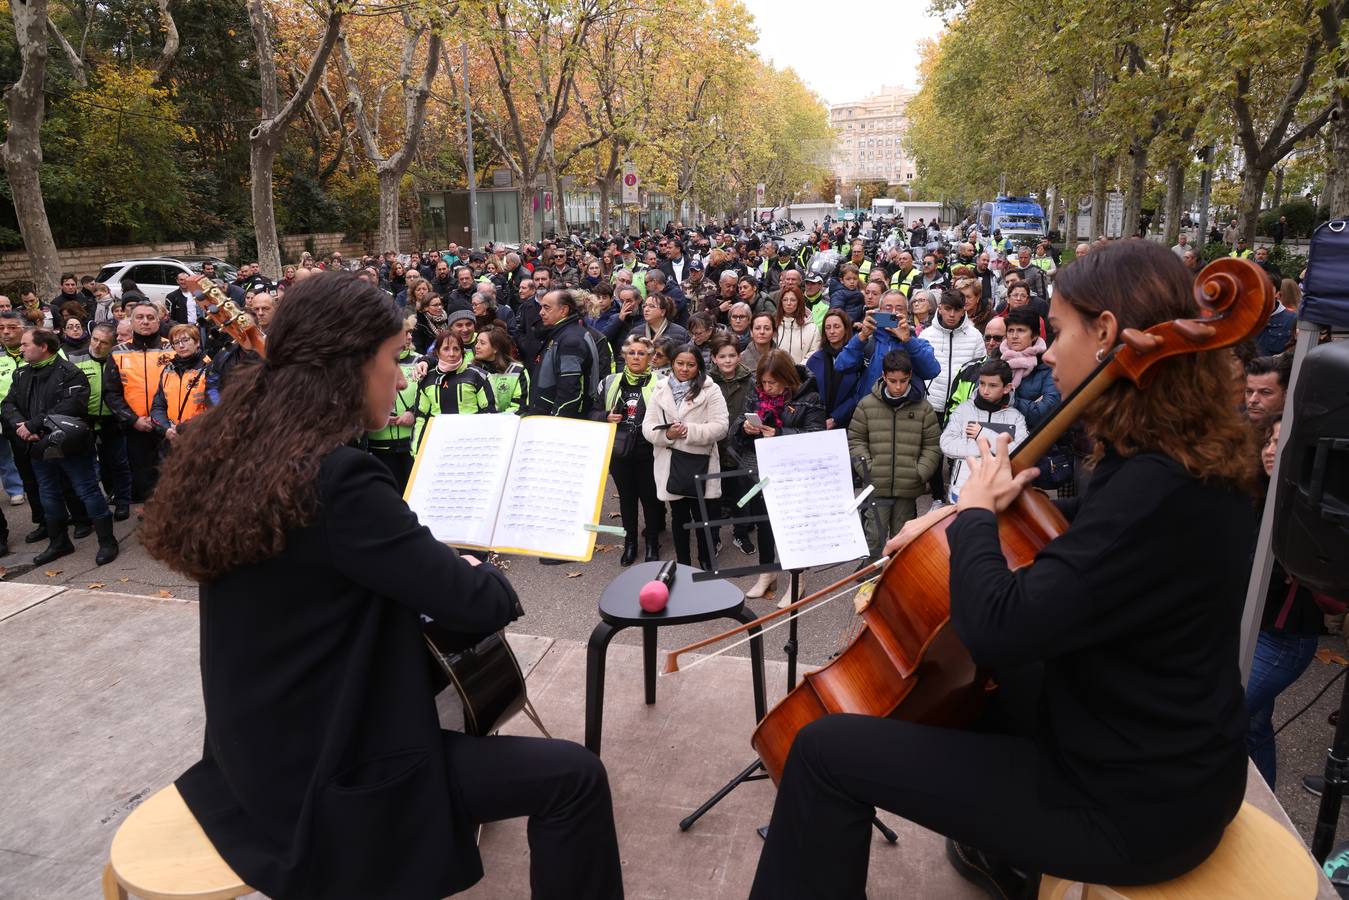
1019, 218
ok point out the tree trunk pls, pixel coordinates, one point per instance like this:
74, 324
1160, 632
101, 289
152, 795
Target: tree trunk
526, 198
1278, 186
22, 149
390, 180
1248, 209
1069, 224
1337, 188
1175, 191
1133, 198
1098, 172
559, 211
261, 156
1051, 208
606, 190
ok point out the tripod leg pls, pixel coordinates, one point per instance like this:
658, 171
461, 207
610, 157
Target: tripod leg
747, 775
885, 831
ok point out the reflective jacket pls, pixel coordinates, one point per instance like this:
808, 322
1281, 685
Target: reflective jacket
182, 392
510, 388
465, 391
139, 362
106, 397
399, 437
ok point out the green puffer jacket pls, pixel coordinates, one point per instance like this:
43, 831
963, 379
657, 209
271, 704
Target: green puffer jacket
902, 443
734, 390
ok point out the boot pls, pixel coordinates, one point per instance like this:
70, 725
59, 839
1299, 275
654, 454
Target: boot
765, 583
121, 512
107, 541
37, 534
653, 549
82, 529
58, 546
629, 552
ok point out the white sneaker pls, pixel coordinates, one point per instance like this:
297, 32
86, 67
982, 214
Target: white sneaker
765, 583
17, 499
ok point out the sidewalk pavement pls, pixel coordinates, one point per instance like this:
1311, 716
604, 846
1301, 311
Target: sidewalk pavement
103, 707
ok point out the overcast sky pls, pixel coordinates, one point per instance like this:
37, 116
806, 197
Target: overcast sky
845, 51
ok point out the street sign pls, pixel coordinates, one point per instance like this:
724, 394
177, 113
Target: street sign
759, 194
1114, 216
548, 201
631, 184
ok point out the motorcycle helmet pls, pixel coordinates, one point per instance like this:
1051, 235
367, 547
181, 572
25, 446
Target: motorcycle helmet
66, 436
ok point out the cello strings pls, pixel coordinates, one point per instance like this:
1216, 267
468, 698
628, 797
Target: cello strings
800, 612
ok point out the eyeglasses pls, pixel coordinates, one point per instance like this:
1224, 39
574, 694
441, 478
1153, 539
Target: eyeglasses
992, 339
182, 342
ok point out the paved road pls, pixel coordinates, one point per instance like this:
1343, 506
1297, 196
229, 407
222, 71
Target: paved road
560, 602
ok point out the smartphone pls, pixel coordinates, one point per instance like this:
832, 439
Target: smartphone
885, 319
753, 419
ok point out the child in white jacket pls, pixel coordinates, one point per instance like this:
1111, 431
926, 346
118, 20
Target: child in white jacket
989, 410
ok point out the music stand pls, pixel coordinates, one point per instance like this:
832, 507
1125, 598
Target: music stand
755, 770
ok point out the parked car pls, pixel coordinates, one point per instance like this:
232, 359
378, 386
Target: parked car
157, 276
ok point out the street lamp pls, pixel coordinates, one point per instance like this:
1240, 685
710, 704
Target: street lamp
857, 196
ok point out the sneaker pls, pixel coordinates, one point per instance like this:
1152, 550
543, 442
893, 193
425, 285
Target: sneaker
17, 499
1314, 784
743, 544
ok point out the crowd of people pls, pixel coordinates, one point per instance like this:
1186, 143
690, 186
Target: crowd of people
696, 343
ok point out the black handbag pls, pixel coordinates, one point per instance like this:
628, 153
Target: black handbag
625, 442
684, 467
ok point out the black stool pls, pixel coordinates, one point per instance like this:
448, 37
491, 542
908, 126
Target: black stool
689, 602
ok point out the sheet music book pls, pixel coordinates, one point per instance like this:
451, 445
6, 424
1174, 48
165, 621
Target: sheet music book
514, 485
809, 496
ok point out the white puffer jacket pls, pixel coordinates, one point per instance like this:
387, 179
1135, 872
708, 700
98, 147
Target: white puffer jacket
953, 348
958, 446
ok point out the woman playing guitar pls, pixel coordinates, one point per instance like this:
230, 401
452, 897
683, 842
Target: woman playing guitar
1131, 760
325, 773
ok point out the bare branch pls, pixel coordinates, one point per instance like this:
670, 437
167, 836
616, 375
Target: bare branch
75, 59
170, 38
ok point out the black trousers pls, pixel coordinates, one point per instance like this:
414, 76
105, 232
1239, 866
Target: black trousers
979, 789
142, 450
683, 511
563, 789
763, 531
635, 478
398, 462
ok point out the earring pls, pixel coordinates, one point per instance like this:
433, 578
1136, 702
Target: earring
1100, 353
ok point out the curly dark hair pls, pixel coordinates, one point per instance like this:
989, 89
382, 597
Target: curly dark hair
274, 425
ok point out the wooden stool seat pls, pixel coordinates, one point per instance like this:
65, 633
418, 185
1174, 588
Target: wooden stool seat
1257, 859
161, 853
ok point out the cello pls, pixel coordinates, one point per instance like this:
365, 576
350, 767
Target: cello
906, 660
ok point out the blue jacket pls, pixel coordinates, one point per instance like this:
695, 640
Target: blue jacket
855, 354
1274, 339
1037, 396
850, 301
845, 394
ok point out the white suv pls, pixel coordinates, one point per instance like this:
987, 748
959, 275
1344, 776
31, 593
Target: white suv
156, 277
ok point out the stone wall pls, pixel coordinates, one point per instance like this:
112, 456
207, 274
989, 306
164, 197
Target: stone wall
15, 269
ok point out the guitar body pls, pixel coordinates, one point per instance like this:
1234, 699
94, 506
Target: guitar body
484, 677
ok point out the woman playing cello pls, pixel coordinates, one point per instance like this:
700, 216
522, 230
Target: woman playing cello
1132, 760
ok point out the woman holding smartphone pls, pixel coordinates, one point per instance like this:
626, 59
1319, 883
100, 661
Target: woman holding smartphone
783, 401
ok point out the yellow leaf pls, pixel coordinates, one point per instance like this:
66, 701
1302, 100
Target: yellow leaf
124, 580
96, 585
1332, 658
165, 594
573, 574
52, 573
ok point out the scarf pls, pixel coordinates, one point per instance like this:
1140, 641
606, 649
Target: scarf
891, 400
770, 408
186, 364
679, 389
988, 406
438, 321
1022, 361
652, 335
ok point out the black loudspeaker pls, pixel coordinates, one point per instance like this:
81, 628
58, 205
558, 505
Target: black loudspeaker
1311, 510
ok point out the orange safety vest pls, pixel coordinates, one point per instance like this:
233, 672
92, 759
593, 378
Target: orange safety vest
185, 394
140, 371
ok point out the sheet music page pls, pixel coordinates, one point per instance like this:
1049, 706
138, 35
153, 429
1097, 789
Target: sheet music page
459, 475
809, 498
555, 488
